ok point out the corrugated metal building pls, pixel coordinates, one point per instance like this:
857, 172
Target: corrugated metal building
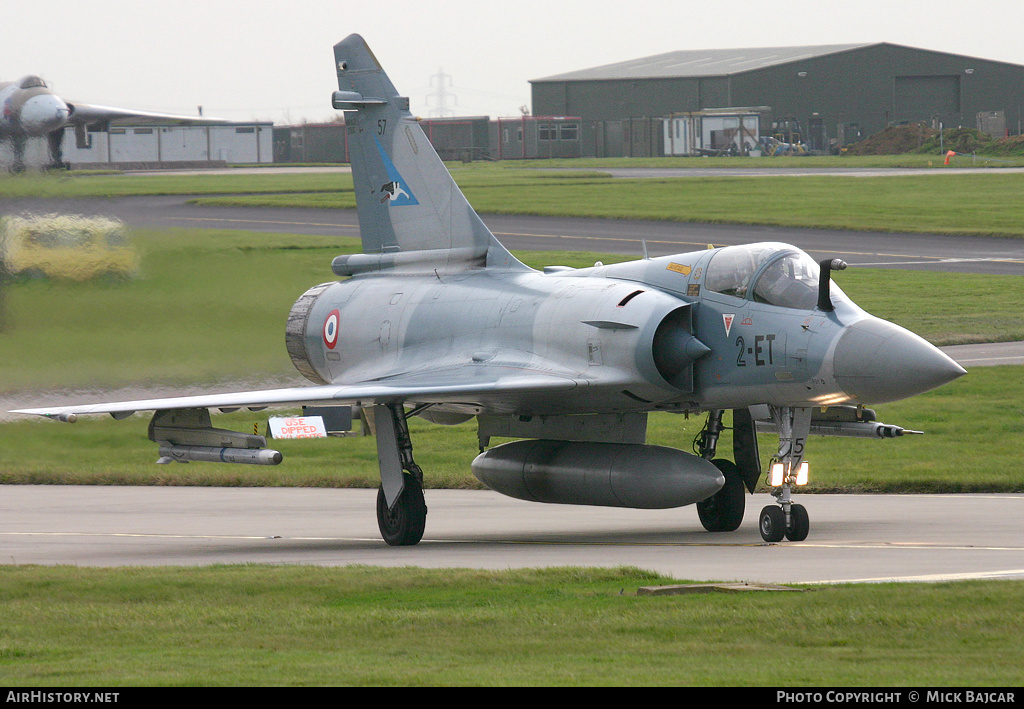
836, 93
464, 139
453, 138
311, 142
155, 144
527, 137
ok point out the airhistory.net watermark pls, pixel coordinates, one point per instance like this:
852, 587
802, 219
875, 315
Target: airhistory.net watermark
48, 697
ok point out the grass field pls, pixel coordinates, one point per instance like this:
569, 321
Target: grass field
965, 204
286, 626
938, 201
985, 205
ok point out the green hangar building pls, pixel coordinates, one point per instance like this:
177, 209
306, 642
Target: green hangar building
828, 95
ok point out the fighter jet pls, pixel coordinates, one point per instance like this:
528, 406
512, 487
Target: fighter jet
30, 109
437, 319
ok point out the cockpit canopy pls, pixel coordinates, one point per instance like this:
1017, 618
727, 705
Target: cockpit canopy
31, 82
777, 274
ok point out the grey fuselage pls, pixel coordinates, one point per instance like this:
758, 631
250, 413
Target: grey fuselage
597, 328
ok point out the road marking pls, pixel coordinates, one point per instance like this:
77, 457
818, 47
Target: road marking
906, 546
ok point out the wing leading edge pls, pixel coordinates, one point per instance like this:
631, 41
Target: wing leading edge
494, 385
87, 114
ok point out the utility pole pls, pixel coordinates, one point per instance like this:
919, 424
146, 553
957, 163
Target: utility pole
441, 83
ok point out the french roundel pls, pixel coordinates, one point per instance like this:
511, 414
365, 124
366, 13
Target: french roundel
331, 329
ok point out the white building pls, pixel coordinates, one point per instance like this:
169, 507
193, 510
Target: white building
232, 143
713, 131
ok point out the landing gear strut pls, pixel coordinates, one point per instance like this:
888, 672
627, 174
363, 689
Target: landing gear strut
401, 509
18, 149
723, 511
787, 519
54, 141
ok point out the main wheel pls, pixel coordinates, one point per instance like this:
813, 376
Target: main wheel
772, 523
799, 524
723, 511
403, 525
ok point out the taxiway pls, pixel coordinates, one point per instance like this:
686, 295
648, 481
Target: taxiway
855, 538
955, 254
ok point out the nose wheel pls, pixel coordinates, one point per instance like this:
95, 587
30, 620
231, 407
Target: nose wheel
798, 524
774, 525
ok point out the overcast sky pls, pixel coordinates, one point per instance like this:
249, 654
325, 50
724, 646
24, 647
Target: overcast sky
272, 60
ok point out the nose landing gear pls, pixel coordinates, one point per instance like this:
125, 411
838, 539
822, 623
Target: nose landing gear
787, 519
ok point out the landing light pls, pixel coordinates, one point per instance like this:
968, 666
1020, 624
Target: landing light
831, 399
778, 476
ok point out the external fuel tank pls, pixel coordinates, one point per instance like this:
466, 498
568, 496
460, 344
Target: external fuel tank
601, 474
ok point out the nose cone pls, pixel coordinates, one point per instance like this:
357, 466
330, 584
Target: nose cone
43, 113
876, 361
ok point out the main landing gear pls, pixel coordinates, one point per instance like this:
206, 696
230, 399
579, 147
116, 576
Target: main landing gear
403, 523
18, 152
723, 511
401, 509
19, 141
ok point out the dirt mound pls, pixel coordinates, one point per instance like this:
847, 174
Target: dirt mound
894, 140
897, 140
961, 140
1012, 146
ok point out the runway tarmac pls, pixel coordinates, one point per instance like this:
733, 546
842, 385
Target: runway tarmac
986, 355
854, 538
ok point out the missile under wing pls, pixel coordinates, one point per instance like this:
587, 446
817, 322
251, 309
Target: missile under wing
436, 318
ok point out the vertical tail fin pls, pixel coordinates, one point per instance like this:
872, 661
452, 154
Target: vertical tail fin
406, 199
